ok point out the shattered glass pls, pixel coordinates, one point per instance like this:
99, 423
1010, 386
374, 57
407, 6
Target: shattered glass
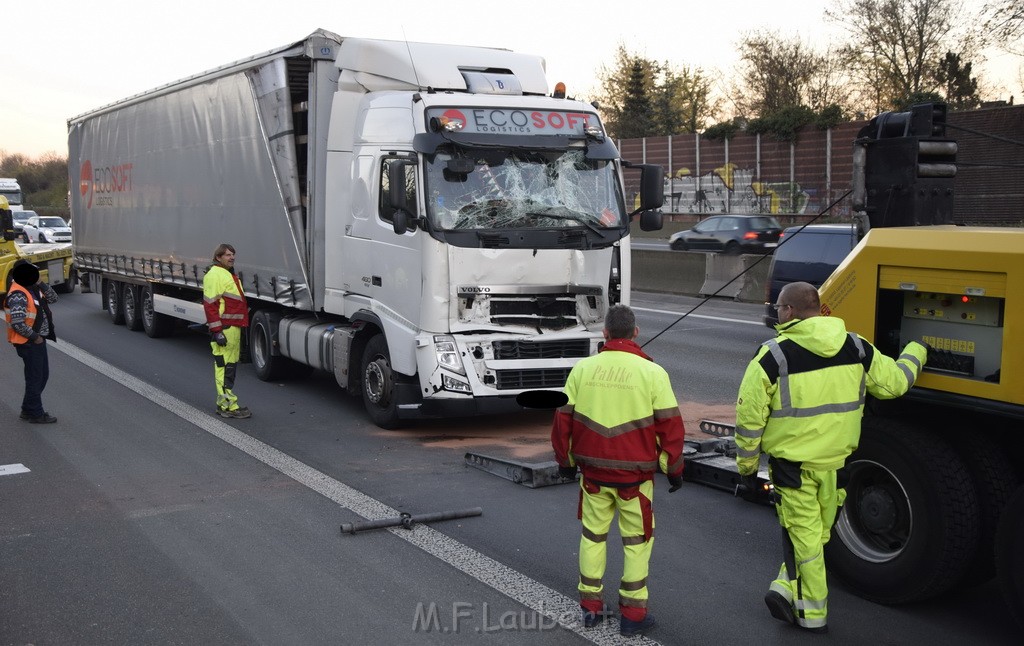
522, 189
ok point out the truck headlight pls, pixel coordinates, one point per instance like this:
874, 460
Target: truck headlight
456, 385
448, 354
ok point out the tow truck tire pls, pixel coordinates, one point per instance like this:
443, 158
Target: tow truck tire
910, 526
155, 324
995, 483
68, 286
113, 297
1009, 548
378, 384
132, 307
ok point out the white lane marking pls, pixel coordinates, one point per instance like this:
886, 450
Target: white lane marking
698, 316
11, 469
513, 584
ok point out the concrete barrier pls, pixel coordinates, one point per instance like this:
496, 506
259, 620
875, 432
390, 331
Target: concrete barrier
694, 273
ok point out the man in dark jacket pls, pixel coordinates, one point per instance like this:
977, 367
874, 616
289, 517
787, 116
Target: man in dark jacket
29, 325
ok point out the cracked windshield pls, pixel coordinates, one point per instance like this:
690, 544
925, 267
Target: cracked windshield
522, 190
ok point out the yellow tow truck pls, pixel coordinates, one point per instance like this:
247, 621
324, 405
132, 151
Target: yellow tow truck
55, 263
935, 496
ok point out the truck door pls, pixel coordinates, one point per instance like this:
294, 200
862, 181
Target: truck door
396, 280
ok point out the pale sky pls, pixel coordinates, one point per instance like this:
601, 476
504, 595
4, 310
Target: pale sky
62, 58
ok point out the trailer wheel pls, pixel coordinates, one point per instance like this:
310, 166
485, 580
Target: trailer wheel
155, 324
379, 384
910, 525
131, 307
1010, 554
113, 297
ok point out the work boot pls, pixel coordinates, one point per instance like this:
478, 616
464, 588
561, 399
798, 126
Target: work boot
241, 413
821, 630
45, 418
630, 628
591, 619
779, 607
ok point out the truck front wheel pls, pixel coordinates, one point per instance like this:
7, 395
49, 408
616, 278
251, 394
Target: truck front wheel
910, 526
379, 384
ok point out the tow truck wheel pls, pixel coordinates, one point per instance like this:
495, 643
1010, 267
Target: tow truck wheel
68, 286
995, 482
155, 324
113, 295
379, 384
132, 311
910, 527
1010, 554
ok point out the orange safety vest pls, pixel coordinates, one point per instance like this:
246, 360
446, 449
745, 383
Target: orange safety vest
30, 317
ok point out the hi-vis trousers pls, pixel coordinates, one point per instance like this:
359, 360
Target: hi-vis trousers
807, 513
636, 526
225, 362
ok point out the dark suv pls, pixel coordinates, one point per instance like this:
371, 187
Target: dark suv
731, 234
810, 256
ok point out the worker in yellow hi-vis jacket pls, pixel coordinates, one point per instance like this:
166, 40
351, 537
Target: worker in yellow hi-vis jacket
801, 403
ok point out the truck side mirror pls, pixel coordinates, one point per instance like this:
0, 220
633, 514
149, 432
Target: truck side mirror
652, 186
398, 196
651, 221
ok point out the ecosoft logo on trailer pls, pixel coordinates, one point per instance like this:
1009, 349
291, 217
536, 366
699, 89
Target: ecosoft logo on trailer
103, 183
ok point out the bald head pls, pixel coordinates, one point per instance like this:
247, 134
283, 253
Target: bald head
802, 299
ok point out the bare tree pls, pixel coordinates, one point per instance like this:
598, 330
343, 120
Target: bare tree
1005, 25
775, 73
897, 46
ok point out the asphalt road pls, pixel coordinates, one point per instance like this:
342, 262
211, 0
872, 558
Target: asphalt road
143, 518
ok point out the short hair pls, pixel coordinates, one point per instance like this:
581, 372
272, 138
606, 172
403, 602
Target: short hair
804, 299
620, 322
221, 249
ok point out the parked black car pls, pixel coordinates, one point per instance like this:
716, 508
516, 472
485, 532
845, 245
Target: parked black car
731, 234
810, 256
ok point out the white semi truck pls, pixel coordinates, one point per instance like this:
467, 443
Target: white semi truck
11, 189
422, 221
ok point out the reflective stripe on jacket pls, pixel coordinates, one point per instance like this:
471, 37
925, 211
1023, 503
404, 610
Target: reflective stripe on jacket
621, 423
223, 300
802, 396
30, 314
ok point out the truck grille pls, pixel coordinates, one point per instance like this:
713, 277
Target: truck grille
527, 379
541, 349
552, 312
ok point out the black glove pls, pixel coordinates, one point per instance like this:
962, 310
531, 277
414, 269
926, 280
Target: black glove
674, 483
751, 483
568, 473
220, 339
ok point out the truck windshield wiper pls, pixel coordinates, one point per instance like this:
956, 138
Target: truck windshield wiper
563, 213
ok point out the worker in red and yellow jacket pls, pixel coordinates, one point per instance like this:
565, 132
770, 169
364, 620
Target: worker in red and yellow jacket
226, 314
620, 425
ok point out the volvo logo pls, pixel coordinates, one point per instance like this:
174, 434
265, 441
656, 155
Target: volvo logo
474, 290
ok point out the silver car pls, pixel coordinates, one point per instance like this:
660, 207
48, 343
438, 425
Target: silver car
46, 228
